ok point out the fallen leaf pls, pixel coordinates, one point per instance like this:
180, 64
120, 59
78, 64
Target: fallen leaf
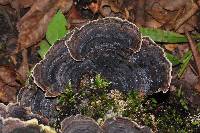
4, 2
116, 7
21, 3
140, 13
9, 84
173, 59
171, 47
185, 62
16, 4
197, 86
159, 13
44, 47
33, 25
151, 22
173, 5
24, 66
172, 14
190, 76
56, 28
189, 13
159, 35
94, 7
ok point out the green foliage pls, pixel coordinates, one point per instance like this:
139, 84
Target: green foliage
171, 121
44, 47
175, 117
68, 97
198, 45
55, 31
159, 35
185, 62
136, 110
196, 122
173, 59
97, 101
182, 100
56, 28
90, 100
163, 36
100, 82
153, 102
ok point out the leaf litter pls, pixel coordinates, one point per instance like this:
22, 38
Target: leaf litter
165, 21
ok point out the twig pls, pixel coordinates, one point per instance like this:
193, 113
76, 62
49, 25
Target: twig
190, 13
195, 51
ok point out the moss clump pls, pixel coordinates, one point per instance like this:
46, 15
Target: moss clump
91, 100
96, 100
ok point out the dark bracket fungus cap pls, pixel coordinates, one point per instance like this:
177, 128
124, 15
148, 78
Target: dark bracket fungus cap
152, 68
103, 36
123, 125
41, 106
82, 124
111, 47
79, 124
14, 110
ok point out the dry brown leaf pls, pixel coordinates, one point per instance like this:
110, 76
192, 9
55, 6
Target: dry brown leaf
190, 25
198, 2
151, 22
197, 86
140, 14
171, 47
64, 5
116, 6
193, 8
94, 7
159, 13
33, 24
173, 5
190, 76
9, 84
17, 3
4, 2
172, 14
24, 67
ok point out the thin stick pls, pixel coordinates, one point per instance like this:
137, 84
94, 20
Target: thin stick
195, 51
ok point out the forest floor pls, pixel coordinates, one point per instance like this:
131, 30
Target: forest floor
24, 23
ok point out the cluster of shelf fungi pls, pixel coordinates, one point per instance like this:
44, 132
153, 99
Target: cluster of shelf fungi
111, 47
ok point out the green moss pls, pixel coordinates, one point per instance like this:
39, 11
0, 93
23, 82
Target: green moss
96, 100
100, 82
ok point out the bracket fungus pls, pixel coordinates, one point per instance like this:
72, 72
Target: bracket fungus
112, 47
15, 125
14, 110
82, 124
79, 124
34, 98
123, 125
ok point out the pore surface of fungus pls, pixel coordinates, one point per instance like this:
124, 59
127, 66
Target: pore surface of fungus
110, 46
